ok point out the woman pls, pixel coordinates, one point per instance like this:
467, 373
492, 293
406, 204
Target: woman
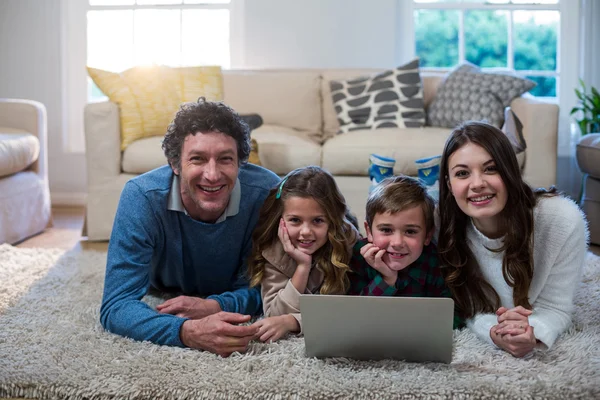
514, 255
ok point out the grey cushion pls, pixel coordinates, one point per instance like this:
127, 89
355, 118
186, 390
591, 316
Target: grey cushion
470, 94
390, 99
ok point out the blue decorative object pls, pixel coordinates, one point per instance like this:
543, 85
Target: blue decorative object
380, 168
428, 170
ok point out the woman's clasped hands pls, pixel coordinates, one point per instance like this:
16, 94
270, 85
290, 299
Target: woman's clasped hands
513, 332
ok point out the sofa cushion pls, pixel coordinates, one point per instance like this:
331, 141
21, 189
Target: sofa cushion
348, 154
149, 97
18, 150
282, 98
283, 149
471, 94
389, 99
143, 155
331, 126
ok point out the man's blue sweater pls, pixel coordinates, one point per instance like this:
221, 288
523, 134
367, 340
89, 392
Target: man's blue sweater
168, 250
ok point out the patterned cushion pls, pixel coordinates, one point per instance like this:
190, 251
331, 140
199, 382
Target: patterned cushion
470, 94
149, 97
390, 99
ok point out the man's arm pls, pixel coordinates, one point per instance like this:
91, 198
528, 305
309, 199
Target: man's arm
132, 244
241, 299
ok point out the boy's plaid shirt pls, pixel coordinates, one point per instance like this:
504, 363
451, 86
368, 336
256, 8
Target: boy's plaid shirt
423, 278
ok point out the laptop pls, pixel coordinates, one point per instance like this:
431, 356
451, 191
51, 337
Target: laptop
372, 328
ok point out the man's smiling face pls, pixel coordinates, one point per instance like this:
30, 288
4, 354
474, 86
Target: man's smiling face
208, 173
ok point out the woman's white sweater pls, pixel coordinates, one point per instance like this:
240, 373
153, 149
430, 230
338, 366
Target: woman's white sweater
559, 248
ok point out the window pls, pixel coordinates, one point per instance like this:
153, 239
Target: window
517, 35
126, 33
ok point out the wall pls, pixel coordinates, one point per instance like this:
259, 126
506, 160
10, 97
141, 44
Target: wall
319, 34
30, 68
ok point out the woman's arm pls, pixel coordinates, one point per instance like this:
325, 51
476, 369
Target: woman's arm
553, 307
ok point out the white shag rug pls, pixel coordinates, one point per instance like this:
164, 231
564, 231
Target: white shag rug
52, 346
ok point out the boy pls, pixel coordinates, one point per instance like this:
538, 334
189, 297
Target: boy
398, 257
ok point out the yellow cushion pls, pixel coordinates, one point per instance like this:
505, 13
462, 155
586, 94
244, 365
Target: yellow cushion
200, 81
149, 97
254, 158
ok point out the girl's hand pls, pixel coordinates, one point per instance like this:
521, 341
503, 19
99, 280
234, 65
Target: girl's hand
272, 329
302, 259
374, 257
514, 321
517, 345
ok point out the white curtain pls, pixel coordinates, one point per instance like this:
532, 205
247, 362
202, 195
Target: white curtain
590, 42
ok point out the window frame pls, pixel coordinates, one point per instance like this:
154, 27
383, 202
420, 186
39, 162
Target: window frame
511, 8
74, 57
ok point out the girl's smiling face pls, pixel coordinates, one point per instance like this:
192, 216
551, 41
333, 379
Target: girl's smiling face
306, 223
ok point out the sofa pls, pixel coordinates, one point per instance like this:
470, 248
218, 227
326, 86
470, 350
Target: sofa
300, 126
24, 191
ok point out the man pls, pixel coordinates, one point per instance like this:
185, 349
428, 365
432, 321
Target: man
185, 228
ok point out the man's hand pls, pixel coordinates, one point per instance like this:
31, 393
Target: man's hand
272, 329
302, 259
374, 257
189, 307
517, 345
218, 333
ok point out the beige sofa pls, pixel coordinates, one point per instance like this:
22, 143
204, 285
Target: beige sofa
300, 126
24, 193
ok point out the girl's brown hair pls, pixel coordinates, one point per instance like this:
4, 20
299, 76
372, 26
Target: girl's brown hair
333, 258
471, 292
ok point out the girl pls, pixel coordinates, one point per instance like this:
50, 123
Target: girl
514, 255
302, 244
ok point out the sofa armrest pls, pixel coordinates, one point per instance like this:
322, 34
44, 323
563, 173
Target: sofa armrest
540, 129
102, 142
30, 116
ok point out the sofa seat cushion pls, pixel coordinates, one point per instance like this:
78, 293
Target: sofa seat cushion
143, 155
18, 150
348, 154
283, 149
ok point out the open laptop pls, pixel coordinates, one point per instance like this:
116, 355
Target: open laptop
371, 328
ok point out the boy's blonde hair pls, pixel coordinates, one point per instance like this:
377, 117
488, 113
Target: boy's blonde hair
399, 193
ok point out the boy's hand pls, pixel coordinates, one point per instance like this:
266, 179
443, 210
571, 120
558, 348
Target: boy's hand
374, 257
272, 329
304, 260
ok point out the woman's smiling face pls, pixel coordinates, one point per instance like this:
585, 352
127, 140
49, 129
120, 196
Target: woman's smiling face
477, 186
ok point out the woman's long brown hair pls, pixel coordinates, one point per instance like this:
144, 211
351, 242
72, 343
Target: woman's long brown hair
471, 292
333, 258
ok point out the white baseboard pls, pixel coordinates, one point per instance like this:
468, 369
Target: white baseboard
68, 198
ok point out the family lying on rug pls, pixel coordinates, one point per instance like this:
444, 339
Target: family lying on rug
230, 240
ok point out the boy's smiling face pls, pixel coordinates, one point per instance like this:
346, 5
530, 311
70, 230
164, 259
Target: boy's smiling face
402, 235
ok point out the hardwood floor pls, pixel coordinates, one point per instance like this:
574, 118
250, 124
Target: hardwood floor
65, 232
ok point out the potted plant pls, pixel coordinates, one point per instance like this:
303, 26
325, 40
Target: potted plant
587, 112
